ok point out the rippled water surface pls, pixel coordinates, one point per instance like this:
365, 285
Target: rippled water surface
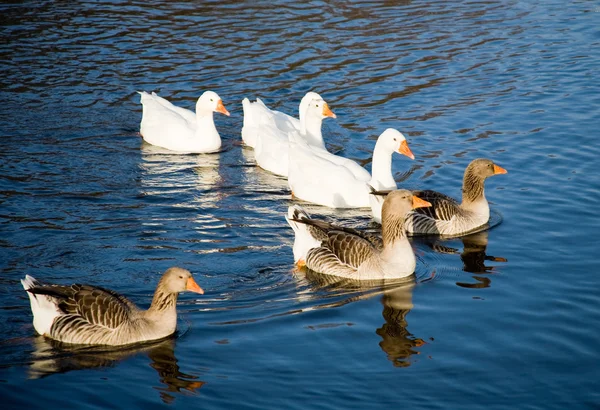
506, 318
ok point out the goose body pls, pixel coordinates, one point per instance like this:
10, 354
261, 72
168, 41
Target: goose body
447, 216
272, 144
178, 129
257, 115
85, 314
352, 254
322, 178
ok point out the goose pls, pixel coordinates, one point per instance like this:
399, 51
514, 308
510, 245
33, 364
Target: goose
257, 115
446, 216
272, 144
330, 180
85, 314
178, 129
352, 254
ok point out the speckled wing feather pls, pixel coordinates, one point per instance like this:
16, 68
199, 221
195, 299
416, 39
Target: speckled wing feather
320, 230
325, 261
351, 249
94, 305
442, 206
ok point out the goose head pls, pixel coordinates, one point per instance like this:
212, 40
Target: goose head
397, 204
176, 280
393, 141
473, 181
400, 202
482, 168
210, 102
318, 108
308, 97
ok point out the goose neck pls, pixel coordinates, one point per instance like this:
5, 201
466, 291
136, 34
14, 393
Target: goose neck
311, 129
392, 231
163, 303
473, 188
381, 170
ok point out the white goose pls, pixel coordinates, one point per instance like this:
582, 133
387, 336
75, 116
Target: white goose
446, 216
352, 254
84, 314
257, 115
320, 177
178, 129
272, 144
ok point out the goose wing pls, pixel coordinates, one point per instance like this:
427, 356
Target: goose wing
342, 255
350, 249
442, 207
320, 230
95, 305
325, 261
189, 115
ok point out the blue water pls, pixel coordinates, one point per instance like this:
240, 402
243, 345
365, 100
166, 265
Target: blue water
506, 318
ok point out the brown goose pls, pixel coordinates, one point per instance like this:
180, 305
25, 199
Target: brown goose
448, 217
352, 254
85, 314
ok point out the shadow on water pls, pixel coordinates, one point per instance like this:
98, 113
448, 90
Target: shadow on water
50, 357
396, 297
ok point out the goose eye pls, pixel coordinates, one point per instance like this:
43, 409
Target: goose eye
395, 139
180, 277
211, 99
317, 105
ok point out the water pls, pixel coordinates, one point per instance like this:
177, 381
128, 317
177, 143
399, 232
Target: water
502, 319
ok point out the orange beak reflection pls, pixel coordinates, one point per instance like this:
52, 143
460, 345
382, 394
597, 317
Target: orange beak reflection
404, 150
192, 286
327, 112
419, 203
499, 170
221, 108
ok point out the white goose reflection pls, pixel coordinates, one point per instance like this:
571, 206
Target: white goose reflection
168, 172
50, 357
257, 177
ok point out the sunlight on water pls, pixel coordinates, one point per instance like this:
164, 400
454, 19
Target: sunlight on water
499, 318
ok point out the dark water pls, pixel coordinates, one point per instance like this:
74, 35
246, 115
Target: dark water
503, 319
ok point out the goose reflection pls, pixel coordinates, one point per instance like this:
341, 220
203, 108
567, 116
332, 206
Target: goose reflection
396, 297
257, 178
164, 171
51, 357
398, 343
473, 257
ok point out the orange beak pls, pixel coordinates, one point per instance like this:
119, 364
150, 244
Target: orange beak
499, 170
404, 150
420, 203
327, 112
192, 286
221, 108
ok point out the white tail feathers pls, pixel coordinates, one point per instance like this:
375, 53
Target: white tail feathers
246, 108
44, 308
29, 282
303, 241
298, 213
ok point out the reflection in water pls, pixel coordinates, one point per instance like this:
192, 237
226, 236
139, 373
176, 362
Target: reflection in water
51, 357
396, 297
258, 178
397, 341
165, 169
473, 257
